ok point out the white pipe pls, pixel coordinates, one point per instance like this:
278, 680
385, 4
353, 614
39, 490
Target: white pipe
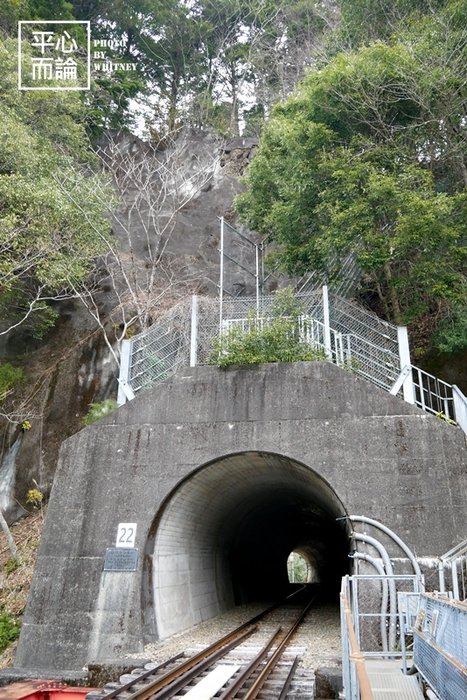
384, 595
392, 586
396, 539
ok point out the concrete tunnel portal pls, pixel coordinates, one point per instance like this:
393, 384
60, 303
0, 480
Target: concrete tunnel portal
224, 535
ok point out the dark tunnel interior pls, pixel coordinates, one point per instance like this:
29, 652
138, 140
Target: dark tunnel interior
260, 546
225, 535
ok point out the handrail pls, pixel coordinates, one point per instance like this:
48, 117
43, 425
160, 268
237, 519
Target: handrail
356, 654
351, 337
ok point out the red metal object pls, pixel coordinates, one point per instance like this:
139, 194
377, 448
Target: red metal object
42, 690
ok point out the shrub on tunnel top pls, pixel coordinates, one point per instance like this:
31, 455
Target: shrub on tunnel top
278, 338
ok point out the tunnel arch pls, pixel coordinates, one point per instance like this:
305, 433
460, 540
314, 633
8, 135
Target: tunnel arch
223, 536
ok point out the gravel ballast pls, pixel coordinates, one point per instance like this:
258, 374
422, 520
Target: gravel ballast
317, 641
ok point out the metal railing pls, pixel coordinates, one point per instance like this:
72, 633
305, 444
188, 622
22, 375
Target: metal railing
371, 619
354, 675
432, 394
351, 337
440, 645
456, 560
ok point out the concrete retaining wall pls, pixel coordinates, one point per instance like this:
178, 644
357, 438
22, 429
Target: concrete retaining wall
305, 437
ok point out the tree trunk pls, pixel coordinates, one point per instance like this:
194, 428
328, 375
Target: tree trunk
382, 298
172, 116
396, 309
234, 89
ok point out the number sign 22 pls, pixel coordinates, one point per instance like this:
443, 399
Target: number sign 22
126, 535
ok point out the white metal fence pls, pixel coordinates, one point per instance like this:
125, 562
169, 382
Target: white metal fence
350, 336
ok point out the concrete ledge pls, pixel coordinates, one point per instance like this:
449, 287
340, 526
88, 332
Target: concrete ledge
71, 677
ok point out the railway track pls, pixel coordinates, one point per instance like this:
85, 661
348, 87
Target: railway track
228, 669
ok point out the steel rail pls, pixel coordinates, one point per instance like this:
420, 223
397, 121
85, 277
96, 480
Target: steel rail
211, 653
272, 662
167, 685
137, 679
234, 687
288, 680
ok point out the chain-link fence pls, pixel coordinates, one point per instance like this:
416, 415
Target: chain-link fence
343, 276
358, 340
350, 336
158, 352
440, 646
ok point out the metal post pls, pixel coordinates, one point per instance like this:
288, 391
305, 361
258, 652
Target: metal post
442, 583
262, 268
460, 408
124, 374
257, 279
455, 582
404, 358
327, 326
194, 331
221, 275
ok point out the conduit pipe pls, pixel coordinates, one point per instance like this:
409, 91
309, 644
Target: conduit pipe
392, 586
384, 596
395, 538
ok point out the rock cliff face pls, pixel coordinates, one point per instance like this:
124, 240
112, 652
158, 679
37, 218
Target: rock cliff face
73, 366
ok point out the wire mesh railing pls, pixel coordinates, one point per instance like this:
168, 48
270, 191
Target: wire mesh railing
358, 341
440, 645
343, 276
351, 337
158, 352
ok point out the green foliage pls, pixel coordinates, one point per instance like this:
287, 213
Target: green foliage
11, 11
451, 334
108, 102
276, 339
368, 156
52, 223
10, 377
443, 416
9, 629
99, 410
364, 21
297, 568
11, 565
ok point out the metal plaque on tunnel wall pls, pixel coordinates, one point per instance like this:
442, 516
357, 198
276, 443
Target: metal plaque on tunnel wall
121, 559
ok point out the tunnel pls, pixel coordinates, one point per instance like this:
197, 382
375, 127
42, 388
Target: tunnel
223, 538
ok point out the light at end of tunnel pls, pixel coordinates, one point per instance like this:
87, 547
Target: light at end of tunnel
300, 568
